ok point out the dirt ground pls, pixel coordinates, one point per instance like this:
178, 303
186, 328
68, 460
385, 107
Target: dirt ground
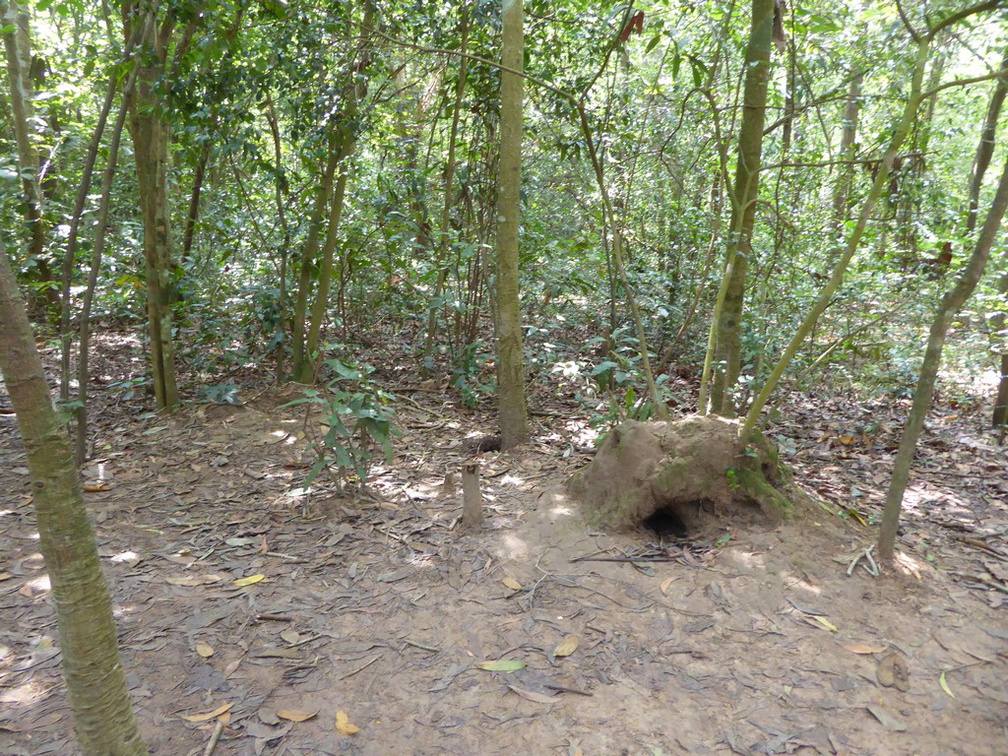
377, 612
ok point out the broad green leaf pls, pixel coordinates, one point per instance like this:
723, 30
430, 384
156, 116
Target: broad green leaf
502, 665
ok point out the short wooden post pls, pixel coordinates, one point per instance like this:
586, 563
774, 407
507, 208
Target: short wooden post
472, 499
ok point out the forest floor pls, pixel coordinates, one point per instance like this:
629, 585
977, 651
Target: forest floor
377, 612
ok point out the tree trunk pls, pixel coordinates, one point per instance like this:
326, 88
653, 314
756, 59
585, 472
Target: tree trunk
319, 307
342, 141
96, 683
853, 242
280, 188
985, 150
150, 132
449, 177
951, 303
848, 149
299, 318
101, 224
743, 208
17, 45
510, 361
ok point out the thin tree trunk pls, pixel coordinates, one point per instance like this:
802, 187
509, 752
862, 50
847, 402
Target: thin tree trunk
512, 409
951, 303
280, 192
342, 142
853, 242
320, 305
728, 341
192, 214
17, 45
985, 150
151, 133
83, 379
308, 258
445, 231
848, 140
66, 337
96, 682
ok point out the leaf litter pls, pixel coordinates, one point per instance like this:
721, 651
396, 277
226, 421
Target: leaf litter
374, 617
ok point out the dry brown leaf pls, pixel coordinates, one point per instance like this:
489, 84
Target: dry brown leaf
204, 649
511, 583
862, 648
666, 583
296, 715
291, 636
343, 725
192, 581
567, 646
210, 714
530, 695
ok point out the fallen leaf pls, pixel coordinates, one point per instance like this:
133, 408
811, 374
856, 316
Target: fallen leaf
250, 580
666, 583
530, 695
343, 725
862, 648
567, 646
502, 665
823, 622
945, 686
5, 576
888, 721
192, 580
296, 715
204, 649
210, 714
291, 636
511, 583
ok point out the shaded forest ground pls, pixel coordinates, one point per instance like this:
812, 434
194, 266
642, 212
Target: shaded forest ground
382, 608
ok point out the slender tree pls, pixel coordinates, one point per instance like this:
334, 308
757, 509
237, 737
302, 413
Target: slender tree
950, 304
731, 297
150, 129
17, 45
510, 362
96, 683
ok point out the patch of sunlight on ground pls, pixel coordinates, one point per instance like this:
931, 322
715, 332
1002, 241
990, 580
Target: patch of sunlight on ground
37, 585
21, 695
748, 558
516, 548
793, 581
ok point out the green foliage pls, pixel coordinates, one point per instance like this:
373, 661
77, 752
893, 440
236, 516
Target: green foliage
473, 374
355, 419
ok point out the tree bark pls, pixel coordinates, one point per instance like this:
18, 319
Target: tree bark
150, 131
299, 317
848, 148
449, 177
96, 683
743, 208
853, 242
950, 304
512, 409
101, 224
342, 141
985, 150
17, 45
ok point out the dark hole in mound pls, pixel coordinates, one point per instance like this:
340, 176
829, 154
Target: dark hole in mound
666, 522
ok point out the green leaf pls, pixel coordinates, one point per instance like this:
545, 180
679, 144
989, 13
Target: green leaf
502, 665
